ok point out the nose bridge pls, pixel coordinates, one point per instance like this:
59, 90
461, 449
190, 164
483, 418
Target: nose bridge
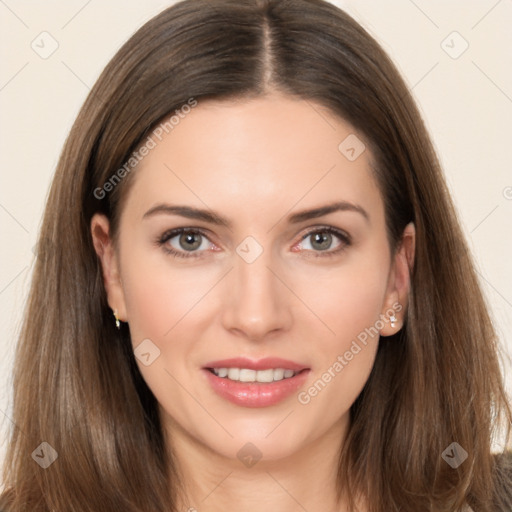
258, 303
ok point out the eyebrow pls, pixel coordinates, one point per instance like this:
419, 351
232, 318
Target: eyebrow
216, 219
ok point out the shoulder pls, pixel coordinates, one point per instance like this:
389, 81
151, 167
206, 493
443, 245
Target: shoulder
502, 499
503, 466
502, 474
504, 459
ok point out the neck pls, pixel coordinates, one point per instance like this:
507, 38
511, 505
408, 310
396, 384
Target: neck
304, 480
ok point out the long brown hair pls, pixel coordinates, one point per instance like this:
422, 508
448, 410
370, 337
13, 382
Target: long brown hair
76, 384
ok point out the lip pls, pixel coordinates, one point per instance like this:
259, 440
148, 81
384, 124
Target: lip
261, 364
256, 394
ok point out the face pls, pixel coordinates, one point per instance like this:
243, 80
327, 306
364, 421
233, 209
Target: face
249, 234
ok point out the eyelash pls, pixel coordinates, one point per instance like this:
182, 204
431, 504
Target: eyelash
165, 237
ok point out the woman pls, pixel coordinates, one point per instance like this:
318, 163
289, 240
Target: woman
252, 287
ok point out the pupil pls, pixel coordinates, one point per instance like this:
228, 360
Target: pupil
322, 240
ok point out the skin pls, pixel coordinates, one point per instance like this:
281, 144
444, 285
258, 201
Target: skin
255, 162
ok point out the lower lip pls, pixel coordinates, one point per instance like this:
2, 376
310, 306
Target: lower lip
255, 394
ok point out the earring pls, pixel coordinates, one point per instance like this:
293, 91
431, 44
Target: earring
392, 319
118, 323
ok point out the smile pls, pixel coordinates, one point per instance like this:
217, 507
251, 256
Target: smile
261, 383
248, 375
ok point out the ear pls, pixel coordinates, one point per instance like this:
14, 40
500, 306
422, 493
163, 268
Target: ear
399, 284
103, 245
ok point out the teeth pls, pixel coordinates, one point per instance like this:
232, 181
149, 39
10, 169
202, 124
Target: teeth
234, 373
278, 374
246, 375
222, 372
265, 375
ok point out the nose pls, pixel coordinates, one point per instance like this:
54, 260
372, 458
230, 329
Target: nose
257, 302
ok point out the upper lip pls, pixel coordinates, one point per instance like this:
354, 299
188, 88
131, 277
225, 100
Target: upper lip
260, 364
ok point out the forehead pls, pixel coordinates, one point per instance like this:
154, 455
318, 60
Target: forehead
271, 152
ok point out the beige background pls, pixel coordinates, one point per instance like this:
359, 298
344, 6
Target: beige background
466, 102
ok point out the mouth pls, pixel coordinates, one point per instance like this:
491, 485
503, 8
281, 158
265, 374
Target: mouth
259, 383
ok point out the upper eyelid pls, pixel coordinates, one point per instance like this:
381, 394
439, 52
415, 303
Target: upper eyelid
330, 229
171, 233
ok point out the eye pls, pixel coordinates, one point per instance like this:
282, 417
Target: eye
184, 242
325, 241
192, 242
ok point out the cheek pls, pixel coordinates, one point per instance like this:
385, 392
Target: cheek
164, 307
346, 300
159, 294
168, 304
349, 304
